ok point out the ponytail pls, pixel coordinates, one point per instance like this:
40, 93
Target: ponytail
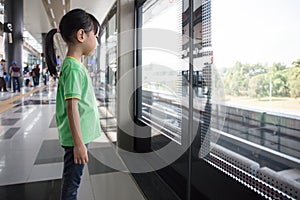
50, 52
70, 23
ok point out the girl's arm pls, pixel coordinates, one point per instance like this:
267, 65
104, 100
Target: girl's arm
80, 151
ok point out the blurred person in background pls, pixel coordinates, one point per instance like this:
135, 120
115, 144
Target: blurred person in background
2, 75
15, 72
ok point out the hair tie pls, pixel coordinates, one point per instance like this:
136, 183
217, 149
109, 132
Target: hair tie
57, 30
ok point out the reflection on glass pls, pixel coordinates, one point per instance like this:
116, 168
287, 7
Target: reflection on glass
104, 72
161, 67
111, 67
256, 47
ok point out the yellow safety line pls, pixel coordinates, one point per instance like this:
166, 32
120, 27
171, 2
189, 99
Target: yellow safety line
6, 105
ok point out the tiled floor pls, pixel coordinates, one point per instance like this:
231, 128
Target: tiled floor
31, 156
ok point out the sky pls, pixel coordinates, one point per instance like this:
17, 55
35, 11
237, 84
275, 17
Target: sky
255, 31
249, 31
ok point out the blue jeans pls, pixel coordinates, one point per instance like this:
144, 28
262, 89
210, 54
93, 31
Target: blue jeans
16, 84
71, 176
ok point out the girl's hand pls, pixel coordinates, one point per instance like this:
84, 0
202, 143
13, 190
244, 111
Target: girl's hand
80, 154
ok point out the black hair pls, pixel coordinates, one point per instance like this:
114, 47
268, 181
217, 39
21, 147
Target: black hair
69, 25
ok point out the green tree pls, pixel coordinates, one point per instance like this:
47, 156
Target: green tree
296, 63
256, 80
279, 66
259, 86
234, 80
294, 80
237, 79
279, 82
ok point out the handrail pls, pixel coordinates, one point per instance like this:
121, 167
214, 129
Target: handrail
258, 146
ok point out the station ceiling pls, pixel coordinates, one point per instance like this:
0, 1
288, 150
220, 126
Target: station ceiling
38, 17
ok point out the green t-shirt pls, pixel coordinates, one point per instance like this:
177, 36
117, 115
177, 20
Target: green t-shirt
74, 82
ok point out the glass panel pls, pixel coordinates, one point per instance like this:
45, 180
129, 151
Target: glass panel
164, 103
101, 94
103, 75
245, 94
205, 109
111, 68
254, 131
161, 67
100, 88
108, 71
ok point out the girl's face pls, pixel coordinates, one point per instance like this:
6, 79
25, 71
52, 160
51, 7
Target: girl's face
90, 43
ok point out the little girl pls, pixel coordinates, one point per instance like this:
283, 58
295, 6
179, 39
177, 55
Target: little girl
77, 116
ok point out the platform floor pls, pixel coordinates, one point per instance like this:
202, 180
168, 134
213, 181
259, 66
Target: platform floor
31, 158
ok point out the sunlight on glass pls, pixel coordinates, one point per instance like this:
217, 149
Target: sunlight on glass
256, 47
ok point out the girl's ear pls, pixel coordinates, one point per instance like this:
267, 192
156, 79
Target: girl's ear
80, 35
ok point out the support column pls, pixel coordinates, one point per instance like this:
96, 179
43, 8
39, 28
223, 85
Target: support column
125, 14
131, 132
13, 13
